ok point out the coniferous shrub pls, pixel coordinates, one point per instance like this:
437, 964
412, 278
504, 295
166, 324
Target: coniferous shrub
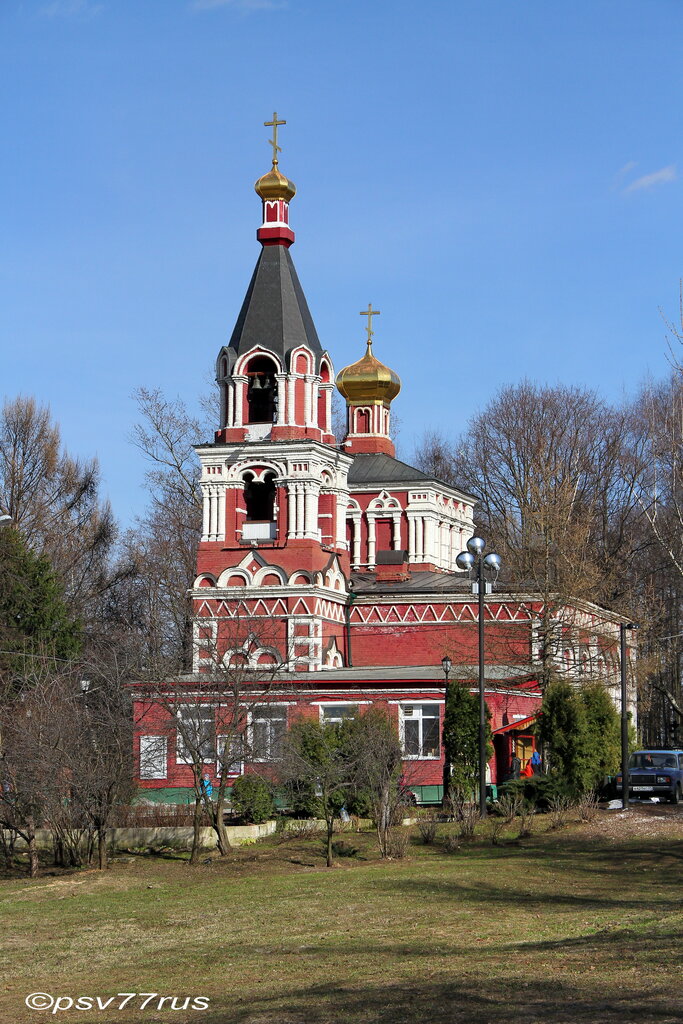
580, 728
252, 799
461, 736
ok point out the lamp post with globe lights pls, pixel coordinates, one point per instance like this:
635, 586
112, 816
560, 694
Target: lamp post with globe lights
479, 565
446, 665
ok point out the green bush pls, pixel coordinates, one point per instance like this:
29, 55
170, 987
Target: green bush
252, 799
540, 791
580, 728
300, 800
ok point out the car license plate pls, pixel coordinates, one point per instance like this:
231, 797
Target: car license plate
641, 789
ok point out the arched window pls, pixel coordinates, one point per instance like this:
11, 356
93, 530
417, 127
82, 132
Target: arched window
363, 421
261, 390
259, 498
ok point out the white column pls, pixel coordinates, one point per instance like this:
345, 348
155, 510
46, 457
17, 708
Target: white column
240, 383
205, 512
291, 399
230, 420
291, 511
342, 502
212, 512
328, 409
371, 540
220, 498
396, 537
420, 539
299, 510
411, 539
355, 558
281, 397
310, 510
429, 551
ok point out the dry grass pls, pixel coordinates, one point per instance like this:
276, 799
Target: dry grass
583, 925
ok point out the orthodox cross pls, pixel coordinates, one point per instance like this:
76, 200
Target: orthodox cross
273, 142
369, 313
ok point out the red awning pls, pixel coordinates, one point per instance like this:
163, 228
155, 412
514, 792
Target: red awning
522, 723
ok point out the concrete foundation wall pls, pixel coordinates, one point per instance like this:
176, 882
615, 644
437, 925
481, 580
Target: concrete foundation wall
177, 837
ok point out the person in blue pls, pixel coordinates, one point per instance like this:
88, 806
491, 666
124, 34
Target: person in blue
536, 763
207, 788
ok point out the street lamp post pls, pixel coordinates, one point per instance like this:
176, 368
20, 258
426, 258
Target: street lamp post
446, 665
474, 561
623, 626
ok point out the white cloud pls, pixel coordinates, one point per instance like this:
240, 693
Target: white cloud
622, 172
239, 5
83, 9
660, 177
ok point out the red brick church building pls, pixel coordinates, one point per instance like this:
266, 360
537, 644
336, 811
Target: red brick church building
327, 569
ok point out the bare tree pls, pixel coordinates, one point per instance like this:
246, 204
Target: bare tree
229, 715
554, 500
163, 547
54, 501
317, 760
376, 761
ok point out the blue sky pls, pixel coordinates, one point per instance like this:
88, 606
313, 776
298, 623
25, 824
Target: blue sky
502, 180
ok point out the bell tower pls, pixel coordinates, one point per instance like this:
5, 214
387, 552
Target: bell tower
275, 380
274, 485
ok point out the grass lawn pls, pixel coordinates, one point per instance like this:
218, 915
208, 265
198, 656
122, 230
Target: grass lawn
580, 925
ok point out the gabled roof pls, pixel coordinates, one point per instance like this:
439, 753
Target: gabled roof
274, 314
384, 469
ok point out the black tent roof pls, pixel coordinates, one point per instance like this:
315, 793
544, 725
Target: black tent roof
275, 314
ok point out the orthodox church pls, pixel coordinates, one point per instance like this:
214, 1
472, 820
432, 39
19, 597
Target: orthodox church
327, 567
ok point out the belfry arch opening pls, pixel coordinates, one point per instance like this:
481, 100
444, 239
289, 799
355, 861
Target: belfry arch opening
261, 390
259, 498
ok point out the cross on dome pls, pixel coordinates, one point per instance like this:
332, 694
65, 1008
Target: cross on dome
273, 142
369, 313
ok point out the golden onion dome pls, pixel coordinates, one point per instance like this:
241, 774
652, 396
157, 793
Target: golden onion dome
368, 382
274, 185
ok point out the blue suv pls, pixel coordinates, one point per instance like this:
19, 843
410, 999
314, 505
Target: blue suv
655, 773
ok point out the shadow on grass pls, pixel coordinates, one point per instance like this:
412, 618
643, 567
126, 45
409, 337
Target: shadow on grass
489, 894
440, 1003
446, 1003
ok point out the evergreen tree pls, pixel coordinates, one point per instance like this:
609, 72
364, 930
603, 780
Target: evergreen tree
581, 729
461, 738
604, 731
34, 621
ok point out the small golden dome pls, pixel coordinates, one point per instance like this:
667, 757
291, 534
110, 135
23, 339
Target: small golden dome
274, 185
368, 382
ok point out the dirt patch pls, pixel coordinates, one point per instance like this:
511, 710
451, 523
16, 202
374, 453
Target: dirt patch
641, 821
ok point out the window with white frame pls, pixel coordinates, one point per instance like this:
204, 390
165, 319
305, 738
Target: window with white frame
420, 730
196, 731
153, 757
335, 714
267, 727
230, 753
